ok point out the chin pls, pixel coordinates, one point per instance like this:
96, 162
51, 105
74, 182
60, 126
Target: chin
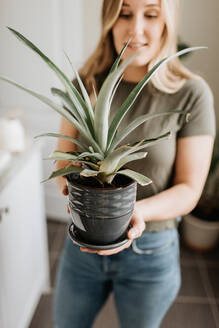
141, 60
140, 63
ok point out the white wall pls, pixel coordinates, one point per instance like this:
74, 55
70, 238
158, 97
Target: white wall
18, 62
199, 25
92, 26
54, 26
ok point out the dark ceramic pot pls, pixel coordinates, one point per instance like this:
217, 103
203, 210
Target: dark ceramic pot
101, 215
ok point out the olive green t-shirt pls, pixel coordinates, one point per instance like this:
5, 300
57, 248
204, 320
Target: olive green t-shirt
194, 97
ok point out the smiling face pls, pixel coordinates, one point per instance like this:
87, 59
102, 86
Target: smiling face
142, 21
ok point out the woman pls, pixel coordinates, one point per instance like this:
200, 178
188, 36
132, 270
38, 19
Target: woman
144, 273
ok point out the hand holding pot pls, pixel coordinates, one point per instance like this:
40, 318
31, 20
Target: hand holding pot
138, 226
61, 182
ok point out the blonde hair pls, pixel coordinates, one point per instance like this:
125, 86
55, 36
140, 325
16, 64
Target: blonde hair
169, 78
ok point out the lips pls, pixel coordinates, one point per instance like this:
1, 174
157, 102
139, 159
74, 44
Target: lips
136, 45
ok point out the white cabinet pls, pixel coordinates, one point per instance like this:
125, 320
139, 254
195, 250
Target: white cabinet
24, 265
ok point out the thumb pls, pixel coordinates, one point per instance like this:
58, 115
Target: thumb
133, 233
137, 229
65, 190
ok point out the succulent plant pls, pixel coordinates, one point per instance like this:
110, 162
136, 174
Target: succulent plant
101, 154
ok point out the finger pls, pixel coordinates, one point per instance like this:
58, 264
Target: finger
134, 233
136, 222
137, 230
65, 191
77, 164
114, 251
68, 210
87, 250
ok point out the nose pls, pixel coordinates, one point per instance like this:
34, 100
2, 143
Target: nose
136, 26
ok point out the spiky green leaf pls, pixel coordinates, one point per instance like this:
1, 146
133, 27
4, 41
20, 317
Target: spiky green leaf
114, 91
102, 108
112, 160
72, 91
89, 154
109, 178
138, 177
117, 61
135, 123
135, 92
66, 100
89, 108
74, 158
95, 93
63, 111
56, 135
89, 173
64, 171
60, 155
130, 158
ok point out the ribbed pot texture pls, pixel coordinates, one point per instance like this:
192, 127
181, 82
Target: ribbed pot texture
101, 215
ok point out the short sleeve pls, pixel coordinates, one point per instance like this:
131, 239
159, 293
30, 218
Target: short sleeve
201, 108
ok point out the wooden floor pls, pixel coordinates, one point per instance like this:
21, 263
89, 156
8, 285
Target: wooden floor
197, 305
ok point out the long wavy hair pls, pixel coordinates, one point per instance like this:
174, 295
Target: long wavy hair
169, 78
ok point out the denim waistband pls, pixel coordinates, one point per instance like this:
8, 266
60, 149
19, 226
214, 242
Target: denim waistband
162, 225
157, 238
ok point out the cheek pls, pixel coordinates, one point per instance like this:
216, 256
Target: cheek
159, 30
156, 34
117, 32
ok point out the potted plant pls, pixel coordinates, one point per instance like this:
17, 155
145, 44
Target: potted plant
201, 228
102, 191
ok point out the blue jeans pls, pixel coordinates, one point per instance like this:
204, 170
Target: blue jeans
145, 279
